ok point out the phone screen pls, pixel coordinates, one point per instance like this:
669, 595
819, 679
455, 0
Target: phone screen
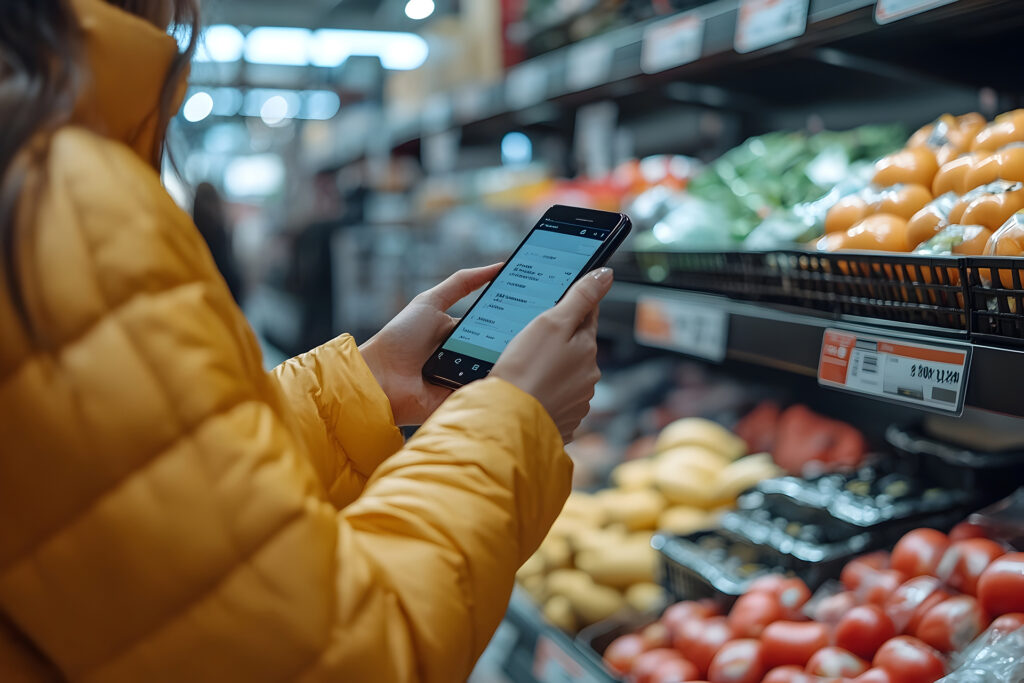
532, 281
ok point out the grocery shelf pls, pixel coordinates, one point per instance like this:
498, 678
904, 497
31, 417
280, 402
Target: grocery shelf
790, 339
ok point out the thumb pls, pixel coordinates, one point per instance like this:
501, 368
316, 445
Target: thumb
583, 297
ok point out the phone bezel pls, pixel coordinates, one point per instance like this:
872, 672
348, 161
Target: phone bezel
618, 225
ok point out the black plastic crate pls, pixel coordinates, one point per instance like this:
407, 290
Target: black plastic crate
751, 276
687, 573
995, 289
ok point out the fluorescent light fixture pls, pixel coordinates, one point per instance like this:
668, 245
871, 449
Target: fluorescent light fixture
320, 105
277, 45
396, 50
275, 110
197, 107
220, 43
419, 9
255, 175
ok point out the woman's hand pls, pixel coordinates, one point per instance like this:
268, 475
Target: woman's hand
554, 358
396, 354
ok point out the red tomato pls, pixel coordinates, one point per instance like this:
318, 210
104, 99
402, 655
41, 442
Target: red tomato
952, 624
739, 661
656, 635
787, 674
908, 605
908, 660
1001, 586
648, 662
855, 569
832, 609
793, 642
965, 530
793, 595
918, 553
835, 662
864, 629
674, 671
701, 640
877, 587
623, 651
678, 614
964, 562
752, 612
770, 583
1009, 622
874, 675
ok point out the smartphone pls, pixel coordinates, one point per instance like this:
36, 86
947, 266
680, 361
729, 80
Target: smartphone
565, 244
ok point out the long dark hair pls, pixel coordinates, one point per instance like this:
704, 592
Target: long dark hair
41, 68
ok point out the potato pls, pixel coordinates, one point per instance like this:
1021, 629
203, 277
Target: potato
683, 519
536, 587
635, 509
556, 552
620, 566
590, 602
695, 431
633, 475
687, 457
743, 474
645, 597
583, 506
567, 526
558, 611
596, 539
688, 486
535, 565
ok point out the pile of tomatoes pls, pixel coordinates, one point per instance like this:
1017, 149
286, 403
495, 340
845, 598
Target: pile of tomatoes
896, 619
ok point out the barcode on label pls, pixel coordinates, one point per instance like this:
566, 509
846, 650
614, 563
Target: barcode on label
869, 364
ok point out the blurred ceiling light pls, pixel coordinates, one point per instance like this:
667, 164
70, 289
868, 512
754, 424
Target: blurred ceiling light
197, 107
419, 9
516, 149
257, 98
320, 105
277, 45
226, 101
220, 43
255, 175
274, 111
396, 50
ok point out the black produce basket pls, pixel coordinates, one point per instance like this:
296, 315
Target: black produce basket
909, 289
995, 288
988, 476
688, 573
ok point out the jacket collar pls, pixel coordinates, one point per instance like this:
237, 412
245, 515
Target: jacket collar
127, 60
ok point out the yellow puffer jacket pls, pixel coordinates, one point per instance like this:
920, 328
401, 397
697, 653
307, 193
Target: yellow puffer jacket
171, 512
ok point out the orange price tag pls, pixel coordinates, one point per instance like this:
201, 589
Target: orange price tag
926, 376
688, 327
766, 22
894, 10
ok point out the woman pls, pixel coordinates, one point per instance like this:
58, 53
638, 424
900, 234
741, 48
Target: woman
169, 511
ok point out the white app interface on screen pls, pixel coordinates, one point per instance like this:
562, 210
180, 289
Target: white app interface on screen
532, 282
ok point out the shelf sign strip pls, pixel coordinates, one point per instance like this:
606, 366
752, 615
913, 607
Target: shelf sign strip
926, 376
672, 42
693, 328
887, 11
766, 22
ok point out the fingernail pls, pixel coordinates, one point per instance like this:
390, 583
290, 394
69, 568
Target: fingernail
603, 275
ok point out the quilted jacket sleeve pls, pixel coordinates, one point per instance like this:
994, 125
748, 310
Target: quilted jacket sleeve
160, 519
343, 413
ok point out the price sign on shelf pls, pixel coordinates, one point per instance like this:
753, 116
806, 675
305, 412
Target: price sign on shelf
689, 327
923, 375
766, 22
672, 42
588, 64
527, 84
894, 10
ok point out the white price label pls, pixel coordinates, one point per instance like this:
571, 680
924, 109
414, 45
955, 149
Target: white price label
766, 22
688, 327
527, 84
672, 42
926, 376
894, 10
588, 64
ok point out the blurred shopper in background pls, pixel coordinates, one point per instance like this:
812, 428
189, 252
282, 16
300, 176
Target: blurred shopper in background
211, 219
168, 510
